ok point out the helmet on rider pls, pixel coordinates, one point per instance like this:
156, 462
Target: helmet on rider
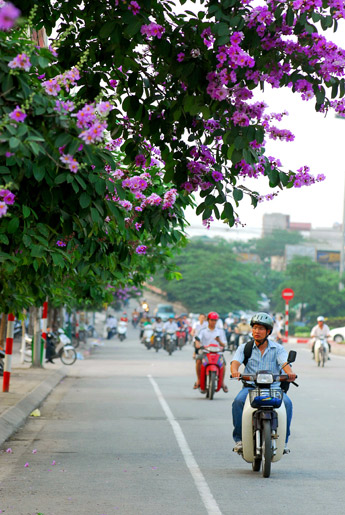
263, 319
320, 319
212, 315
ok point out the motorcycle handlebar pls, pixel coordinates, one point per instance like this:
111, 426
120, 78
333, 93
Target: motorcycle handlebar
278, 377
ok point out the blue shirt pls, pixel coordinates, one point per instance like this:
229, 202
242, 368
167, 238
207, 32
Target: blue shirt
274, 357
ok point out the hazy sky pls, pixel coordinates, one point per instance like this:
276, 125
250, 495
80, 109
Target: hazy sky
320, 144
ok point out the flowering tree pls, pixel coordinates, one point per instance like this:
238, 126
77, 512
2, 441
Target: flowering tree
186, 82
71, 210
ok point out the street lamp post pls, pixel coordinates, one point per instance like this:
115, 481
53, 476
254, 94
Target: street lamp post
342, 253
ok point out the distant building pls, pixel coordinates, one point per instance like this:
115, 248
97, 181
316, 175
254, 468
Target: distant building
322, 245
272, 222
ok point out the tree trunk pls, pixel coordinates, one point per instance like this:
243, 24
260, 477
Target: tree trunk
36, 355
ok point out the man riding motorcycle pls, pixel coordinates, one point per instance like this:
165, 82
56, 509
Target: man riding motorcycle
242, 328
320, 330
267, 355
206, 336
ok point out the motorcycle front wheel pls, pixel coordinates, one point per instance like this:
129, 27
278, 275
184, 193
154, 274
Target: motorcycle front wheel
266, 448
68, 356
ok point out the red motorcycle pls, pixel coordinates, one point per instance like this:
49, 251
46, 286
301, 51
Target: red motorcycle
212, 370
181, 338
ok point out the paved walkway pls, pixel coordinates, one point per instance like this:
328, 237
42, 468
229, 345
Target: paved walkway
29, 387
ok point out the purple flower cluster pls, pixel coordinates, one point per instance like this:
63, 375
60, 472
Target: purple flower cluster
7, 198
207, 222
71, 163
304, 178
67, 79
152, 30
21, 62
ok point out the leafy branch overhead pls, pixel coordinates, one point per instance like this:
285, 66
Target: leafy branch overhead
186, 81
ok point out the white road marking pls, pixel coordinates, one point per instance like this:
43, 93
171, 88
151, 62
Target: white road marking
199, 480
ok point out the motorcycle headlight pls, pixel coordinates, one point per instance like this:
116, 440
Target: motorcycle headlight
264, 378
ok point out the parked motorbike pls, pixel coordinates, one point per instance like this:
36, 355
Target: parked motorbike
122, 330
147, 335
264, 420
321, 351
170, 342
212, 370
59, 346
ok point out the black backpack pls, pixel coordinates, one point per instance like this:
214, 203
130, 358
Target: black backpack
248, 349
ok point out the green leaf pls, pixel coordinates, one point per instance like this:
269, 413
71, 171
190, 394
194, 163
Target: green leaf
43, 62
13, 225
37, 251
39, 172
84, 200
107, 28
290, 17
274, 178
58, 260
222, 29
14, 142
61, 178
237, 194
95, 216
26, 211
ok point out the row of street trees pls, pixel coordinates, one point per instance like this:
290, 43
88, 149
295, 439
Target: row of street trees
213, 277
106, 134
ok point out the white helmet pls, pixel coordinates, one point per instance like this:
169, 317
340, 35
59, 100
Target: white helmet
320, 319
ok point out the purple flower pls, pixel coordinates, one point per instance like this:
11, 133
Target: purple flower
141, 249
113, 83
180, 57
217, 176
18, 115
7, 196
3, 211
134, 7
9, 154
140, 160
61, 243
8, 15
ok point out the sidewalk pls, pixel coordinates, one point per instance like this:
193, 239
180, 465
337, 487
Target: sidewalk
30, 386
28, 389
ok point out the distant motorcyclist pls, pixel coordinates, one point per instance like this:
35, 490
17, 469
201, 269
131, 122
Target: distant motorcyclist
170, 327
111, 326
320, 330
210, 334
242, 328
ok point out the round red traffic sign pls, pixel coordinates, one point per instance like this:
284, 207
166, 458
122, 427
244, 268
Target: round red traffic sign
288, 294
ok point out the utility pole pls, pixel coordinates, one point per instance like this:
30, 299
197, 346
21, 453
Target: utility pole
342, 253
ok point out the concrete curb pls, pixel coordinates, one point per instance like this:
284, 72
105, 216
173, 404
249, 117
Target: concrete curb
14, 417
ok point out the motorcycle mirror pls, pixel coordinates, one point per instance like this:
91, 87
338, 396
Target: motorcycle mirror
292, 356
